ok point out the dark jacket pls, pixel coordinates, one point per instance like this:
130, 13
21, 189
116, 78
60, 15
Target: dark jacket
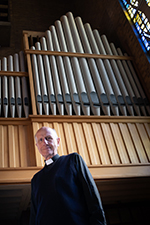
65, 193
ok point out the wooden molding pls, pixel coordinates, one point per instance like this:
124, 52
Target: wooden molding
79, 55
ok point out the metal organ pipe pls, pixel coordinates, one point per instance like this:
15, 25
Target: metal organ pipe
116, 72
94, 101
76, 68
145, 100
69, 71
50, 88
109, 90
5, 88
24, 85
42, 80
17, 86
140, 101
37, 82
59, 97
11, 88
123, 73
62, 73
111, 80
91, 62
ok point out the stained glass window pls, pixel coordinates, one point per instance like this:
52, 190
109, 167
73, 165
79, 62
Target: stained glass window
138, 12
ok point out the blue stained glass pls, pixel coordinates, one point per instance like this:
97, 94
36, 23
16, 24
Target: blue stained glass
140, 21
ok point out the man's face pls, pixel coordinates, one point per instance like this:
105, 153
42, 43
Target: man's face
47, 142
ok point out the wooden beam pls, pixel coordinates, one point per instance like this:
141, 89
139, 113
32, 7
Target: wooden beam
24, 175
79, 55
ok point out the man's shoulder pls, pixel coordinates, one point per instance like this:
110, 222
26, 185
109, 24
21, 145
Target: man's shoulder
70, 156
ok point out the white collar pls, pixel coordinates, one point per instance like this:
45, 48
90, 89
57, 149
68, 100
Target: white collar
49, 161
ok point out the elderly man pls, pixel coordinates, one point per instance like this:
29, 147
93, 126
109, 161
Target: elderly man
63, 192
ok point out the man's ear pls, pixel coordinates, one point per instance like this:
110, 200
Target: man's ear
58, 141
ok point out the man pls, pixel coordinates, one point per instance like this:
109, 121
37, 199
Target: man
63, 192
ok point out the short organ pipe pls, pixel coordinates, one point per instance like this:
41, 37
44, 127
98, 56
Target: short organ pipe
24, 85
5, 88
17, 86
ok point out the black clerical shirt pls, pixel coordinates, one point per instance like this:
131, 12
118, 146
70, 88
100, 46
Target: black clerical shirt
64, 192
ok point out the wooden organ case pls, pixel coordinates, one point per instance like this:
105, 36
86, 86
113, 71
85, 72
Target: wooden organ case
87, 90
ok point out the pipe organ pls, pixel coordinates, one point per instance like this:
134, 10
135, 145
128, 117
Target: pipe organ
72, 79
76, 85
86, 89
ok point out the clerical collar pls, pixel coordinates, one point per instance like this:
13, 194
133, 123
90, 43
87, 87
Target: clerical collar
51, 160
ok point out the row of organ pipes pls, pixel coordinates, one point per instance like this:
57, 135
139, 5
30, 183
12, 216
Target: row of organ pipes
73, 85
14, 94
79, 85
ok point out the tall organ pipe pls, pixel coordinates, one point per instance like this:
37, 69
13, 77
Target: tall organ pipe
76, 68
62, 73
59, 97
91, 62
116, 72
37, 82
140, 101
42, 80
69, 71
17, 86
11, 88
104, 76
109, 72
94, 101
50, 87
5, 88
124, 75
24, 85
138, 85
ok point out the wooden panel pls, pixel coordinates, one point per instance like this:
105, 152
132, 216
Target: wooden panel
2, 160
147, 127
13, 153
6, 155
90, 142
22, 146
16, 145
101, 145
110, 144
30, 148
16, 148
80, 140
119, 143
137, 142
128, 143
144, 139
62, 149
69, 136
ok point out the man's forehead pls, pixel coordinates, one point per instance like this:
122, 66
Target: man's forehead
46, 131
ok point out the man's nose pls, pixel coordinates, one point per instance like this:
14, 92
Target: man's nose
45, 141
